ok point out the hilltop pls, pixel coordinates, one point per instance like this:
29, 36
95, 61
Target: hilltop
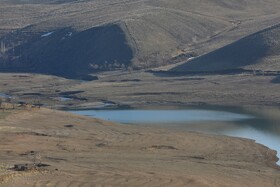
75, 38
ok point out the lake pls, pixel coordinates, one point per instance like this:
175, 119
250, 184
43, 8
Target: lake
4, 96
259, 123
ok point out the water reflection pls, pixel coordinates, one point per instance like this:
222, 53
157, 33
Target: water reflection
5, 96
164, 116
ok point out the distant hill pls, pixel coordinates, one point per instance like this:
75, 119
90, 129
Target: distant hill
68, 53
259, 51
133, 33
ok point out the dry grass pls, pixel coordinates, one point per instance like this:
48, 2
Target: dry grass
97, 153
155, 30
259, 51
143, 88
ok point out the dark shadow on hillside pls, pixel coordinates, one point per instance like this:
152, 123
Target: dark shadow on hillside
20, 2
234, 56
71, 54
276, 80
246, 51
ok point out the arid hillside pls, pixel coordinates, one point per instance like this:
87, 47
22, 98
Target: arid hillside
258, 52
61, 37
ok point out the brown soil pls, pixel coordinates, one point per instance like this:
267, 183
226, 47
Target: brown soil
91, 152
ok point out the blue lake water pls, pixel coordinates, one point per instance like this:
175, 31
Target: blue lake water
64, 99
260, 124
5, 96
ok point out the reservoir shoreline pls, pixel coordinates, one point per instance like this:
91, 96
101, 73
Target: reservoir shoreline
85, 150
229, 121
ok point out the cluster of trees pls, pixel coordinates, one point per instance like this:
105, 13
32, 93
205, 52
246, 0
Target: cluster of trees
108, 66
3, 55
3, 48
7, 100
4, 100
8, 56
9, 103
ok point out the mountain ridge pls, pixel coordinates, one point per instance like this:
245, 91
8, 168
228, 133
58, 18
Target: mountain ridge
251, 52
157, 32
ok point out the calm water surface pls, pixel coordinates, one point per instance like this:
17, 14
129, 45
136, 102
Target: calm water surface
260, 124
5, 96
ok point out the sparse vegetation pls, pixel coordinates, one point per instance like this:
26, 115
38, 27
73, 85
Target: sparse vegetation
258, 52
122, 51
118, 35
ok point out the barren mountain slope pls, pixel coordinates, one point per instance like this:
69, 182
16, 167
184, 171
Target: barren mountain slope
259, 51
155, 31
